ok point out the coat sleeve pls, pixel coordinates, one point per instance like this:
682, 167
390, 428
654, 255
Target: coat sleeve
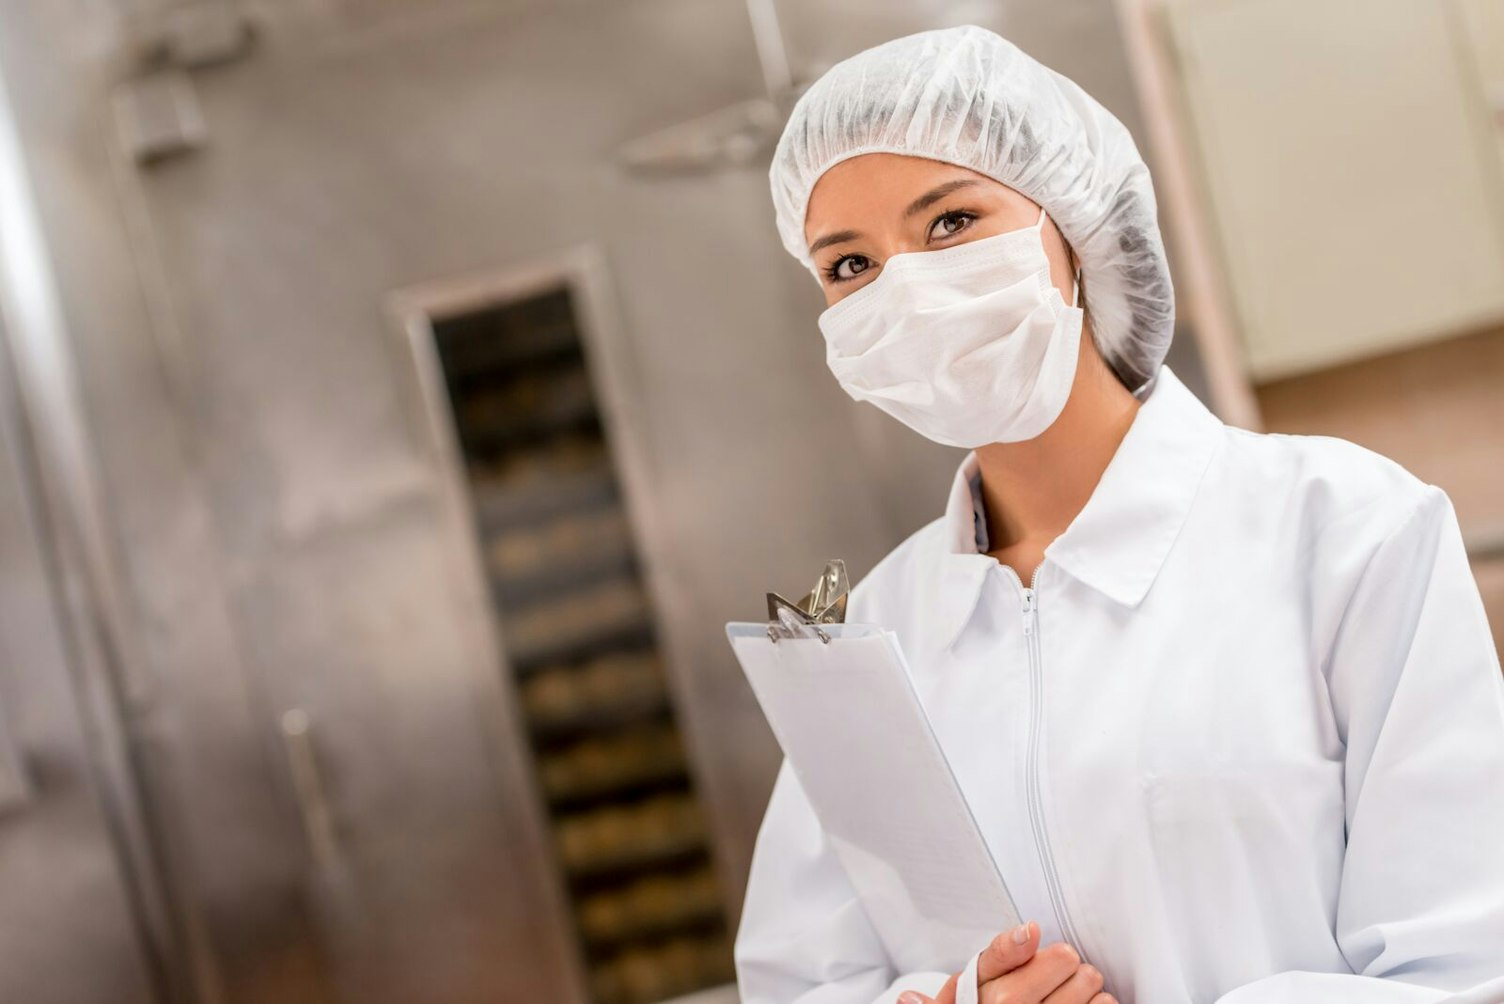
804, 936
1418, 698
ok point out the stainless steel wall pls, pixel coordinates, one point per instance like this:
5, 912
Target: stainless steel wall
68, 931
283, 535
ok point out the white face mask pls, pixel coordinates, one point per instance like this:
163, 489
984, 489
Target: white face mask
966, 345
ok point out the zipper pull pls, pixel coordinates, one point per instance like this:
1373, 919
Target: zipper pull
1028, 610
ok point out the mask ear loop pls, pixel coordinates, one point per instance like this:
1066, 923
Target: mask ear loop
1076, 285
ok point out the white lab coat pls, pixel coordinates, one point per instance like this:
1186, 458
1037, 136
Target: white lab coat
1242, 743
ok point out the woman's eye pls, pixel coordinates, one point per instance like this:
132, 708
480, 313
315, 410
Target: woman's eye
951, 224
848, 267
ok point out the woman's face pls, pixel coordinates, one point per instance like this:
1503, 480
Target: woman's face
867, 208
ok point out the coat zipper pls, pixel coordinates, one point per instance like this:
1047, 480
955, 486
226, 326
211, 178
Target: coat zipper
1036, 720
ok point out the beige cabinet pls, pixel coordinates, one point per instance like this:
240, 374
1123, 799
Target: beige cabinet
1348, 159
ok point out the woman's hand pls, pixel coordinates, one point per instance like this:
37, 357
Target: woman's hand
1012, 969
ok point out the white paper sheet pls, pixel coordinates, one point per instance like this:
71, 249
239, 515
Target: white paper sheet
857, 738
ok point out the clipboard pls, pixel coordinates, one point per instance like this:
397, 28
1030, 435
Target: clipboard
841, 702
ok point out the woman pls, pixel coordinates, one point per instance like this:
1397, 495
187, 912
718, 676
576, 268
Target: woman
1241, 738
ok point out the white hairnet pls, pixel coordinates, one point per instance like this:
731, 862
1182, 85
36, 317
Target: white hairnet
969, 97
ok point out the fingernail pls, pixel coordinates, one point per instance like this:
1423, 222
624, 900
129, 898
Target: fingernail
1021, 934
910, 997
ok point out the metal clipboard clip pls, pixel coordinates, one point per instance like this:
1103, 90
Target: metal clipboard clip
825, 604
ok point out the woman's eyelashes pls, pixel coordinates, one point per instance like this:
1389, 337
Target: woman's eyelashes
943, 227
962, 218
835, 272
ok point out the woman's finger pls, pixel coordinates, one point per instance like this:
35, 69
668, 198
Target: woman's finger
946, 994
1083, 987
1007, 952
1037, 978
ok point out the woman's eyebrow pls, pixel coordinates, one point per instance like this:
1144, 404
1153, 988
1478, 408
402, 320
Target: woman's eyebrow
936, 194
917, 206
840, 236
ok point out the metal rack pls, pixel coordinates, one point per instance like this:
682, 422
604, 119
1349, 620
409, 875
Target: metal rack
631, 842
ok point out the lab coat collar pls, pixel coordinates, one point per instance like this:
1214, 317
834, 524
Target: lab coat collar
1121, 537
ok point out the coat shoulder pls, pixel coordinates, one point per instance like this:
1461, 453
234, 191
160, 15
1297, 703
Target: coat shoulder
1324, 478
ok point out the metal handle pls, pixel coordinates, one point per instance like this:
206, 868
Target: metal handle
308, 784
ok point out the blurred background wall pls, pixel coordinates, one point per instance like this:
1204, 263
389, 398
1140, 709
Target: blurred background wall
267, 726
